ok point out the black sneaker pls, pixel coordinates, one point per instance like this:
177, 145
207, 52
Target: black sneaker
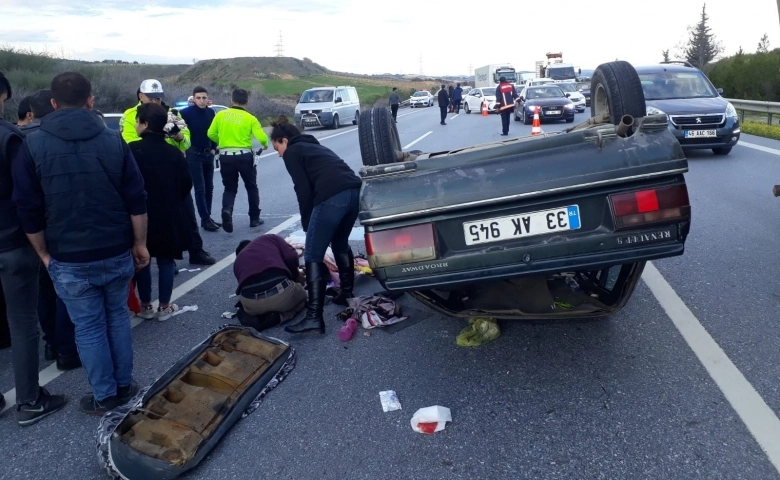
256, 222
125, 394
209, 225
30, 413
49, 353
90, 406
227, 220
202, 258
68, 362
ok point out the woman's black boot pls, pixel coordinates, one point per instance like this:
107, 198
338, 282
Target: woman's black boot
345, 261
317, 276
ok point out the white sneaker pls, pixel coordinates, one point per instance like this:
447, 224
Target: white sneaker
147, 312
164, 314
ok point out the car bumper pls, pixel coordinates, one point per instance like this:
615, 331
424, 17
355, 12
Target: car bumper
420, 103
725, 136
323, 119
566, 114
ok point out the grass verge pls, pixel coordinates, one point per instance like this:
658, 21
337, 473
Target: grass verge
761, 129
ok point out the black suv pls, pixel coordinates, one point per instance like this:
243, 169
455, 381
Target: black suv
698, 115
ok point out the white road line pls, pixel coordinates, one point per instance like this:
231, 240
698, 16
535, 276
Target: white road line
409, 145
320, 139
455, 116
757, 416
50, 373
762, 148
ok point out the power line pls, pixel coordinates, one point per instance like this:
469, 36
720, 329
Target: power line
280, 46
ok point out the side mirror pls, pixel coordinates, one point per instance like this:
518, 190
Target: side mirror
720, 92
338, 99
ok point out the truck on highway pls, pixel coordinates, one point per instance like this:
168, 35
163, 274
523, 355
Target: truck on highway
531, 227
489, 75
556, 70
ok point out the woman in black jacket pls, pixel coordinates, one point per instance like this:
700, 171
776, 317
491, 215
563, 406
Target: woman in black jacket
167, 182
327, 190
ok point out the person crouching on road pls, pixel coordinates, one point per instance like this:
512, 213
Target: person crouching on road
327, 190
168, 184
266, 269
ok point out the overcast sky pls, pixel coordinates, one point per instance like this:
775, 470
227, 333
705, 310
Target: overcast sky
368, 36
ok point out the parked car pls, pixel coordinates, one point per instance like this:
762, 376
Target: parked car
473, 100
699, 117
553, 104
550, 226
327, 107
423, 98
584, 89
576, 97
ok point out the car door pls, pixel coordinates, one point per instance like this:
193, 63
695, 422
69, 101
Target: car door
341, 107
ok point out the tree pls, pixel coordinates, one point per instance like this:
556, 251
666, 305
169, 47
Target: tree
763, 44
740, 52
702, 46
665, 53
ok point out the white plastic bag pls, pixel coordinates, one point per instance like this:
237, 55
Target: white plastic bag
429, 420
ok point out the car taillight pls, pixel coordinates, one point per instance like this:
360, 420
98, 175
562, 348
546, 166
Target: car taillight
644, 207
401, 245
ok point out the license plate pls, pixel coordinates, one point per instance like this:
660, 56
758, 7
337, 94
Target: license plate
700, 134
523, 225
553, 112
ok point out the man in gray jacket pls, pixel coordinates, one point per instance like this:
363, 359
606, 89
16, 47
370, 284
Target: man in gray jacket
395, 101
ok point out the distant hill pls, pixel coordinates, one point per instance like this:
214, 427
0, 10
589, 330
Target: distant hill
231, 70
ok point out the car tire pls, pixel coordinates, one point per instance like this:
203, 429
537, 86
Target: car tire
615, 88
335, 124
570, 120
357, 115
525, 118
721, 150
466, 108
378, 137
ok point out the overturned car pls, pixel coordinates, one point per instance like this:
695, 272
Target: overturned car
551, 226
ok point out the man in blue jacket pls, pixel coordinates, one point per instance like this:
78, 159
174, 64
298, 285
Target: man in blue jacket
457, 98
81, 201
200, 155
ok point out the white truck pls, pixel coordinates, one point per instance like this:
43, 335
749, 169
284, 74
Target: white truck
489, 75
556, 70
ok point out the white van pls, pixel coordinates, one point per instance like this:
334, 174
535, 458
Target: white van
327, 107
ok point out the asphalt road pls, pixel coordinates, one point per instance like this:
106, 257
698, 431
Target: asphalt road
644, 394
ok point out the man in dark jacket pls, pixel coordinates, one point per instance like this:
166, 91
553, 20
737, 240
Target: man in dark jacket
58, 330
444, 102
457, 98
19, 268
200, 155
395, 102
268, 277
81, 201
505, 102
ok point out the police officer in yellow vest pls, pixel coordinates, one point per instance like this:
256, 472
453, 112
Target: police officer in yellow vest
151, 91
233, 130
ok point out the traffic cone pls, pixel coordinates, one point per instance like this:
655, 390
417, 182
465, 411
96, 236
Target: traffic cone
484, 108
536, 128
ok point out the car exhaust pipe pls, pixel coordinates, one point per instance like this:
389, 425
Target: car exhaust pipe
626, 122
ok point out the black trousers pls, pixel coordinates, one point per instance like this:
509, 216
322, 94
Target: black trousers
192, 220
232, 167
505, 117
443, 109
394, 111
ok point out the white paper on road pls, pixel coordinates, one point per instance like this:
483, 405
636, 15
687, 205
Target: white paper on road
188, 308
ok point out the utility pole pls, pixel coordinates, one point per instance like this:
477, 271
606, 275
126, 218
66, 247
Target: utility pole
280, 45
778, 8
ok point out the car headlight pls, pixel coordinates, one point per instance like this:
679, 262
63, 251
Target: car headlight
655, 111
731, 112
326, 109
569, 106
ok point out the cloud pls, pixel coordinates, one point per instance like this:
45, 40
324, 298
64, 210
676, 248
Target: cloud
25, 36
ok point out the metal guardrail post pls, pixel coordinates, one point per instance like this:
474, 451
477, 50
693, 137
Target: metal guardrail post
741, 116
769, 121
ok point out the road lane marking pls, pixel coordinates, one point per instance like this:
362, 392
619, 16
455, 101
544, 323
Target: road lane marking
758, 417
761, 148
50, 373
409, 145
455, 116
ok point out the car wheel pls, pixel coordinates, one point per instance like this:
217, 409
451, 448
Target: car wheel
616, 90
570, 120
721, 150
525, 118
357, 115
517, 119
466, 108
378, 137
335, 125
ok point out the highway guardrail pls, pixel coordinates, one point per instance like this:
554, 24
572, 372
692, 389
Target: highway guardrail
755, 106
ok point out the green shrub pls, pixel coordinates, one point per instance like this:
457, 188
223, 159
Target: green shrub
761, 130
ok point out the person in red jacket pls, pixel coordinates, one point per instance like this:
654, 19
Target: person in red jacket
505, 98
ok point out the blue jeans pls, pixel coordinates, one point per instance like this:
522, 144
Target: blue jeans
202, 172
165, 268
95, 294
330, 224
